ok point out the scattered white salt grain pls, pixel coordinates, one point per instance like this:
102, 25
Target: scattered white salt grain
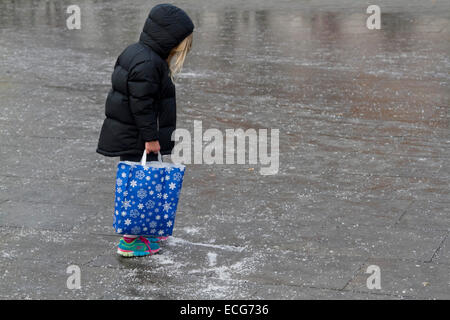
191, 230
212, 258
179, 241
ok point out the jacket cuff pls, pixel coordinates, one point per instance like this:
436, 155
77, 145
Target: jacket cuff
149, 135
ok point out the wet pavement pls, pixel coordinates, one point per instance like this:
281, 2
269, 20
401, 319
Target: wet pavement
364, 152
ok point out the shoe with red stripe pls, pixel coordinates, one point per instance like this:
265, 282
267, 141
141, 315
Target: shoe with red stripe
139, 247
157, 239
160, 239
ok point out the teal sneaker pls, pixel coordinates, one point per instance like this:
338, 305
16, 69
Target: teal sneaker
157, 239
152, 239
139, 247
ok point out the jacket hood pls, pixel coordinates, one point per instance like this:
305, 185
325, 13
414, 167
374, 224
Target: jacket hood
165, 27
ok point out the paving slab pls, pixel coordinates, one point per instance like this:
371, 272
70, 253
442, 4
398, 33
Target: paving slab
427, 215
43, 215
24, 245
409, 278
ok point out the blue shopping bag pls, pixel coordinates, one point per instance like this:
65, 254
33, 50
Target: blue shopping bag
147, 196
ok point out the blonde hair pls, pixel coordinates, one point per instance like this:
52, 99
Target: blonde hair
178, 55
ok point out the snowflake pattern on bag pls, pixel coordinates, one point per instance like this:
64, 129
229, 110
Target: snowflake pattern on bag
146, 199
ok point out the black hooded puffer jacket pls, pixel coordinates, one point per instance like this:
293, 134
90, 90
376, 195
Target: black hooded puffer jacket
141, 105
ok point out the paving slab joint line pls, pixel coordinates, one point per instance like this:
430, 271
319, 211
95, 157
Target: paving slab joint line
379, 175
352, 291
102, 254
36, 229
60, 203
354, 275
404, 212
438, 249
356, 291
50, 137
383, 294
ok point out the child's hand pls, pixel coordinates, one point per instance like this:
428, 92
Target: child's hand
152, 146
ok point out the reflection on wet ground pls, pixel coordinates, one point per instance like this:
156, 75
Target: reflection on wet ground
364, 149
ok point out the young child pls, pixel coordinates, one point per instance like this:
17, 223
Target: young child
140, 108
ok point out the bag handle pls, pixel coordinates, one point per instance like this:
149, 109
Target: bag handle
144, 158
